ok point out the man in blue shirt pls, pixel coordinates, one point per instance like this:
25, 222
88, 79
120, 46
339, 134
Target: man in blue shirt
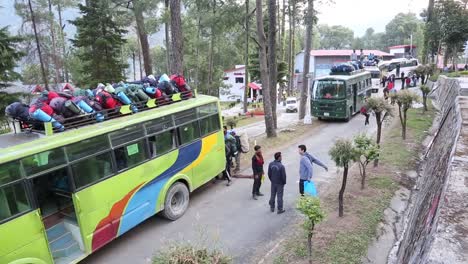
305, 167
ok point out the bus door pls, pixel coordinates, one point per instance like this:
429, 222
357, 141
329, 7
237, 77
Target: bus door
51, 187
355, 91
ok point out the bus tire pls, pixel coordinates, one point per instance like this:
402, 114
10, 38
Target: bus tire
176, 201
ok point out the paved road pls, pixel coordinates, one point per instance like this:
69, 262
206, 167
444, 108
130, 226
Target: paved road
227, 217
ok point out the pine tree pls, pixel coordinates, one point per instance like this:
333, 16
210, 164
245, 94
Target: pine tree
9, 55
101, 37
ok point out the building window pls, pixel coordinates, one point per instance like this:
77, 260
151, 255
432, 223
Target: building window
239, 79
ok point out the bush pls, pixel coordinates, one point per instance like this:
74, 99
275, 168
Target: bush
463, 73
191, 255
453, 75
434, 77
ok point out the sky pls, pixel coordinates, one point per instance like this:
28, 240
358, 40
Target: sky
359, 15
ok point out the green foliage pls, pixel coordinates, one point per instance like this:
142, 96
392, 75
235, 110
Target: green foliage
379, 105
9, 55
405, 99
343, 152
399, 30
100, 37
335, 37
190, 255
425, 90
366, 149
310, 207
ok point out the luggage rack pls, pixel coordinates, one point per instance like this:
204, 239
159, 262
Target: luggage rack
109, 114
348, 73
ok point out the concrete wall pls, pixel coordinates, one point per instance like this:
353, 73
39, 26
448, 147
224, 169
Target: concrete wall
427, 199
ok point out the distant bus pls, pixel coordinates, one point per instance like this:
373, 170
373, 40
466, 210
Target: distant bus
390, 67
340, 96
375, 77
64, 196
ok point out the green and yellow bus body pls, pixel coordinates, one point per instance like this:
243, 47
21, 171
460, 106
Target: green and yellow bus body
339, 96
64, 196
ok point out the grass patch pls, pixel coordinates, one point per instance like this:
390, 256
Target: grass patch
346, 240
190, 254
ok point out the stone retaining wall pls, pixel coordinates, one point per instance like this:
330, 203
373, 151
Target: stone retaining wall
427, 199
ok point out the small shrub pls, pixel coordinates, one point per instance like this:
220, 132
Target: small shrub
434, 77
190, 255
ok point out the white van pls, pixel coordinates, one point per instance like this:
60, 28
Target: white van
291, 105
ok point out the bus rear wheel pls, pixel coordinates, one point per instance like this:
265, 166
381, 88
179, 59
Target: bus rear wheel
176, 201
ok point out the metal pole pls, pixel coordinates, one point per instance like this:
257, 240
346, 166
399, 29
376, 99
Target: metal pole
411, 45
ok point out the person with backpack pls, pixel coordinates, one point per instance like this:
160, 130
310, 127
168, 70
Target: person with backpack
365, 113
257, 168
403, 80
230, 151
306, 167
239, 149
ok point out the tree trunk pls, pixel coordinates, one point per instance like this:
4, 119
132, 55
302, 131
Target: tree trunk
168, 42
38, 46
425, 102
283, 32
308, 45
211, 51
62, 36
134, 68
430, 11
272, 65
269, 123
139, 59
378, 117
403, 134
309, 244
197, 52
176, 39
246, 76
342, 190
363, 176
140, 23
54, 45
291, 45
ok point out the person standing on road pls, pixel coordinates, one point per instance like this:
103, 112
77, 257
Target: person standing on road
238, 147
257, 168
365, 112
306, 167
277, 176
403, 80
230, 151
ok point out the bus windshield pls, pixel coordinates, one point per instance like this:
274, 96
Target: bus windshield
329, 89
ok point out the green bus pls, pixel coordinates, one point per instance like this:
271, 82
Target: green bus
340, 96
64, 196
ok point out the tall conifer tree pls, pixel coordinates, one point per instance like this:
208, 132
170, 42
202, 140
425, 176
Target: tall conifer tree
101, 37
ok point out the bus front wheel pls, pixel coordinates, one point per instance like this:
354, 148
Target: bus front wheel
176, 202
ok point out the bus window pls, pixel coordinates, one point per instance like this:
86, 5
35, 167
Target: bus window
189, 132
10, 172
162, 143
329, 89
43, 161
159, 124
87, 147
127, 134
13, 200
208, 109
185, 116
130, 155
209, 125
92, 169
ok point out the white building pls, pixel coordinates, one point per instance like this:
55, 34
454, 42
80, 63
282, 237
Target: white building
234, 84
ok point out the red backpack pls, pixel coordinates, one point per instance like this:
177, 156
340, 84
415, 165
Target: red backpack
179, 80
106, 100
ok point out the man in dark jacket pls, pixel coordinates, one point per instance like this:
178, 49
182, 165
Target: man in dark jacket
277, 176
